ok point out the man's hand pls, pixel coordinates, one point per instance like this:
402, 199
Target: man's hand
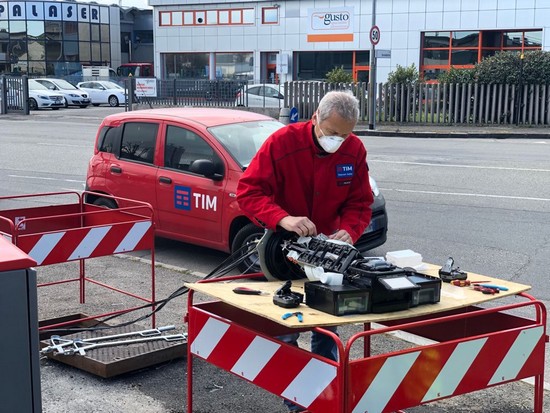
342, 235
300, 225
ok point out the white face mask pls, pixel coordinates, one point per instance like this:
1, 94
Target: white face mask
330, 143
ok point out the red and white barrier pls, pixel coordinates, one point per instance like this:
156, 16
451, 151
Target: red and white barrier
75, 244
299, 376
442, 370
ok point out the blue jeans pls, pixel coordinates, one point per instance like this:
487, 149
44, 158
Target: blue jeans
321, 344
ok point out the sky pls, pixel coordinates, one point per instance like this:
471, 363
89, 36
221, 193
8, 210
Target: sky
142, 4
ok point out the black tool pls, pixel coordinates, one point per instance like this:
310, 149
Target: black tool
286, 298
447, 273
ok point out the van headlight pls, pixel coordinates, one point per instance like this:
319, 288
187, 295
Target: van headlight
374, 186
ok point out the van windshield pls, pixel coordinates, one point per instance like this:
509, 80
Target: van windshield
244, 139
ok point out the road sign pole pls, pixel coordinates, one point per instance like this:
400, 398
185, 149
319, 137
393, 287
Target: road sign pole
372, 74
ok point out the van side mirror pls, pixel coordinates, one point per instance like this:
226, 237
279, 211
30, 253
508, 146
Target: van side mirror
205, 167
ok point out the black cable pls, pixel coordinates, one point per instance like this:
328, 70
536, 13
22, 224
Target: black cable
217, 272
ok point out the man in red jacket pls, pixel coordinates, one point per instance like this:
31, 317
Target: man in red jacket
312, 178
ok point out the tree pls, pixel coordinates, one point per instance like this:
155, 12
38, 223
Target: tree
405, 75
339, 75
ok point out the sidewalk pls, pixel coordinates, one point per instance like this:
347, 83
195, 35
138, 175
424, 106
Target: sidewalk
454, 131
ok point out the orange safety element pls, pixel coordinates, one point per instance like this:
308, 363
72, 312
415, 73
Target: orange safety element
57, 233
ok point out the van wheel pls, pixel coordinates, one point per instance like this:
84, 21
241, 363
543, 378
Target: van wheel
249, 235
113, 101
105, 202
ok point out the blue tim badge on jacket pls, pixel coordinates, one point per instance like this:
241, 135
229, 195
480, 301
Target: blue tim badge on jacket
344, 171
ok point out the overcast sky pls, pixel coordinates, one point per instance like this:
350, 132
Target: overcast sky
142, 4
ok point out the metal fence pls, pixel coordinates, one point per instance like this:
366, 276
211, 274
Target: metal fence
14, 95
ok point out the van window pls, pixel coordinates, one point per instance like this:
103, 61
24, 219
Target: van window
139, 141
107, 139
183, 147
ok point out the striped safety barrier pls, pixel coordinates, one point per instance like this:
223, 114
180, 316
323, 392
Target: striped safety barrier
82, 243
411, 378
283, 370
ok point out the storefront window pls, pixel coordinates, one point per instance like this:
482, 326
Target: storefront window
84, 31
35, 29
185, 65
53, 30
37, 50
533, 39
54, 51
316, 65
84, 51
465, 39
436, 39
95, 32
18, 29
96, 52
105, 52
234, 66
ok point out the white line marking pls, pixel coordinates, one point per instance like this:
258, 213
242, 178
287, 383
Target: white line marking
523, 198
499, 168
44, 178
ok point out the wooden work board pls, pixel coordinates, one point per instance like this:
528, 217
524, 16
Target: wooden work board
452, 297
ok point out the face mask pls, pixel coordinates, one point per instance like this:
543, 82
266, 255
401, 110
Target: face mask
330, 144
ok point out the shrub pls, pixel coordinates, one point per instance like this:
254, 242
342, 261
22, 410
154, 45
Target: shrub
406, 75
455, 75
339, 75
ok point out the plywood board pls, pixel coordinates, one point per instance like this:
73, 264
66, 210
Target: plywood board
452, 297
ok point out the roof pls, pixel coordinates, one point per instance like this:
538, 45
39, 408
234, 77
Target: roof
206, 116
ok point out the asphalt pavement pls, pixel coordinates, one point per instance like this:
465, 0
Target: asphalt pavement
162, 388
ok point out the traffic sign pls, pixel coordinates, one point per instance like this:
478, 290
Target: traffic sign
374, 35
293, 116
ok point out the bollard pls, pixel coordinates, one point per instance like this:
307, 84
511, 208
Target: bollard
284, 116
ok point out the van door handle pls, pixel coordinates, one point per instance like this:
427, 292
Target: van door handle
116, 169
165, 180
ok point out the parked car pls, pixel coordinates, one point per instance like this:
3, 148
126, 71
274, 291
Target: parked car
260, 96
73, 95
186, 163
104, 92
41, 97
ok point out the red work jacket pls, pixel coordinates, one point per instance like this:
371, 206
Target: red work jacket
290, 175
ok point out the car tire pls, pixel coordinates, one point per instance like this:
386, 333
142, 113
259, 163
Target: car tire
32, 104
83, 106
247, 235
66, 103
106, 202
113, 101
95, 104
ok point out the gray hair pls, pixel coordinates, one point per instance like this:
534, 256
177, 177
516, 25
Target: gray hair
342, 102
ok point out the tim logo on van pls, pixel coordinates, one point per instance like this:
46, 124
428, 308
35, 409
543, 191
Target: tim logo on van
186, 200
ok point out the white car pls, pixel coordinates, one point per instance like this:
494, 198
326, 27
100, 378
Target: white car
104, 91
261, 96
41, 97
73, 95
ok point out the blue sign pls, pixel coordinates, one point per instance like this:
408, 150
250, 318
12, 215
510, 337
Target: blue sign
293, 116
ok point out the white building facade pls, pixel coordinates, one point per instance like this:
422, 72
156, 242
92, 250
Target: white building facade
285, 40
